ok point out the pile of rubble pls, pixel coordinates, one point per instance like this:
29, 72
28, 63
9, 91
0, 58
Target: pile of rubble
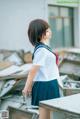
14, 67
69, 67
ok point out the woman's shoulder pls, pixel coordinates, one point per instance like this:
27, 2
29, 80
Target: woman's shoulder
41, 50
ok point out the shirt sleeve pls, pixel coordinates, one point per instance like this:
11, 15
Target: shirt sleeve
40, 57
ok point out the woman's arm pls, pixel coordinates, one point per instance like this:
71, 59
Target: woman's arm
28, 86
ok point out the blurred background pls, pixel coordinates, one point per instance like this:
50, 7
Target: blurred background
63, 17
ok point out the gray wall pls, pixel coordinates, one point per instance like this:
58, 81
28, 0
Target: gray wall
15, 16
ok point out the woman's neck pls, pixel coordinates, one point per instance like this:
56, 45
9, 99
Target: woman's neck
45, 42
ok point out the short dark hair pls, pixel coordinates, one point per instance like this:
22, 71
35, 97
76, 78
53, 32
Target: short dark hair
36, 29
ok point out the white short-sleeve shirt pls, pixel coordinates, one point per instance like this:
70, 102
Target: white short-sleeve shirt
48, 68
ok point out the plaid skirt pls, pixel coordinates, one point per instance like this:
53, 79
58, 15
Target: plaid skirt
44, 90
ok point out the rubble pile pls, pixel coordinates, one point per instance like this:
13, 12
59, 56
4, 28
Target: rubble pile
69, 67
14, 67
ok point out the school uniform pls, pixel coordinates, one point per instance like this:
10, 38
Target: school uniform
45, 84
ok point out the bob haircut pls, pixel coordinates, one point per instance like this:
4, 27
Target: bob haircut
36, 29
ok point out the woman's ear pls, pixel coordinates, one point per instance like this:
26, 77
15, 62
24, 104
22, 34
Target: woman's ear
44, 36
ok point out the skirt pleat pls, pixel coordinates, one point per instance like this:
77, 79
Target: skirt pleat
44, 90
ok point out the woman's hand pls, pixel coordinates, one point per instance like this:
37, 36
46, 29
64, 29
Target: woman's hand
27, 90
28, 86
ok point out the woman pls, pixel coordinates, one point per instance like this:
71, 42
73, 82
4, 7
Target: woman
42, 78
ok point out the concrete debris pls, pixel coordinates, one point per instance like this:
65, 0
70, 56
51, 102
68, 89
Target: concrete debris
11, 85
